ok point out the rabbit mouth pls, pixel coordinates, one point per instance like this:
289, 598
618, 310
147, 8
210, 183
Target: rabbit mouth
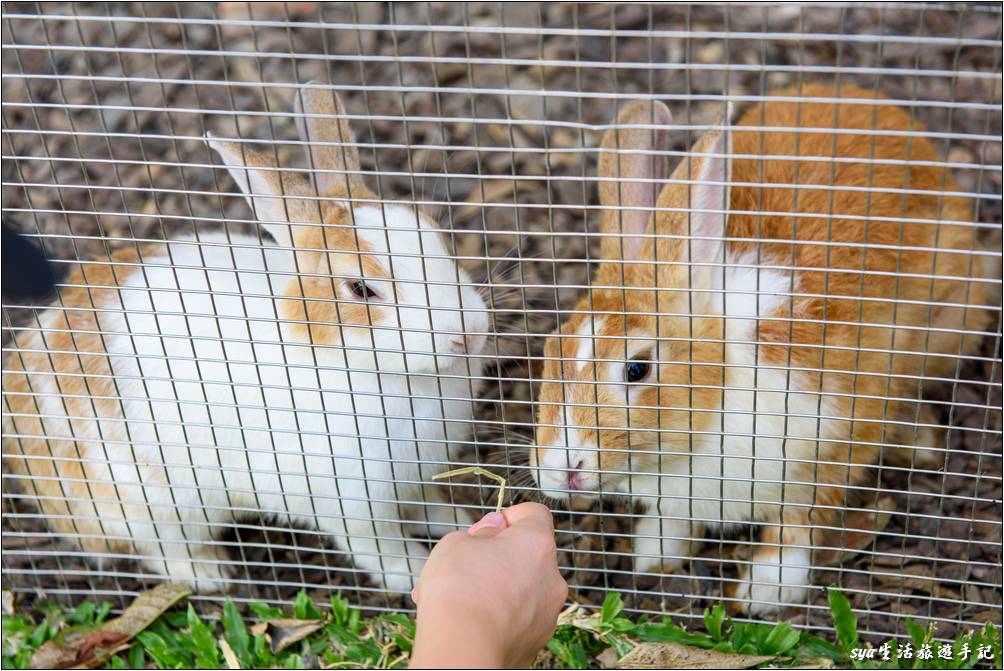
562, 484
454, 363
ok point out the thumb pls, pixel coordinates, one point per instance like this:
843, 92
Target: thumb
490, 525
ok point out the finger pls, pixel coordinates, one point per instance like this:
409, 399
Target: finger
489, 525
530, 514
414, 596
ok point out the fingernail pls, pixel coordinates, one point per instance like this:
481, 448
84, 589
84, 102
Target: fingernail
492, 520
414, 600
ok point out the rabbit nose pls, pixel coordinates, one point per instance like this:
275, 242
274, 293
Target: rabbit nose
575, 477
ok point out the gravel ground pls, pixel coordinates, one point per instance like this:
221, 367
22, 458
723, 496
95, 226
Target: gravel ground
105, 186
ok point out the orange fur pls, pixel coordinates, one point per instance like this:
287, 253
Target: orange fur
319, 307
67, 356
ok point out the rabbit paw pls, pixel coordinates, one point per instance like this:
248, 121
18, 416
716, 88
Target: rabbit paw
401, 575
435, 521
772, 583
661, 548
650, 560
202, 572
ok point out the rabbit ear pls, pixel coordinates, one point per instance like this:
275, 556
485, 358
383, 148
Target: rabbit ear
709, 198
320, 119
628, 155
262, 186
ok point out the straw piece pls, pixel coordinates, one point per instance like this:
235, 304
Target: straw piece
476, 470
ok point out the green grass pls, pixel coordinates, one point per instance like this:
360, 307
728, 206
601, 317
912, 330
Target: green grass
573, 646
180, 638
961, 653
341, 637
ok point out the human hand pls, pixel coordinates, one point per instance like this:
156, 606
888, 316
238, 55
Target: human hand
489, 597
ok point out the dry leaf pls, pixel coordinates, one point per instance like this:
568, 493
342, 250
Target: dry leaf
80, 647
284, 632
276, 11
861, 527
919, 578
885, 561
818, 663
992, 615
576, 616
494, 191
90, 647
676, 656
148, 606
607, 659
229, 656
518, 138
545, 659
8, 602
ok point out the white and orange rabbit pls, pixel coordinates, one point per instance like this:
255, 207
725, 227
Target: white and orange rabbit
184, 385
732, 370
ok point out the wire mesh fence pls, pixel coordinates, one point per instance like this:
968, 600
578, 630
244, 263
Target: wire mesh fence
767, 237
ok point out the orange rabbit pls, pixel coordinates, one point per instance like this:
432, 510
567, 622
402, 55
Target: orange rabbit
750, 367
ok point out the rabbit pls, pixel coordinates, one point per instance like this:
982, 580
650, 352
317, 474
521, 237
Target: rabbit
183, 386
754, 386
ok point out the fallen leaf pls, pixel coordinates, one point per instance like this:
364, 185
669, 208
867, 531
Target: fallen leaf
578, 617
919, 578
817, 663
229, 656
8, 602
545, 659
886, 561
89, 647
676, 656
272, 10
494, 191
861, 528
102, 639
57, 653
607, 659
147, 607
284, 632
78, 648
992, 615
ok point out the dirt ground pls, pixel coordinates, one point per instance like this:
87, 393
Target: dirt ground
126, 161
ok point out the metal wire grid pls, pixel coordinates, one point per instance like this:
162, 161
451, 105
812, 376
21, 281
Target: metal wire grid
104, 113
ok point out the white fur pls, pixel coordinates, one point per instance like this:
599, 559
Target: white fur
568, 449
738, 475
773, 584
587, 343
426, 277
237, 417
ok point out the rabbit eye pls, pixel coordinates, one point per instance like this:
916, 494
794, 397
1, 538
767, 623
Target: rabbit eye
637, 371
360, 290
